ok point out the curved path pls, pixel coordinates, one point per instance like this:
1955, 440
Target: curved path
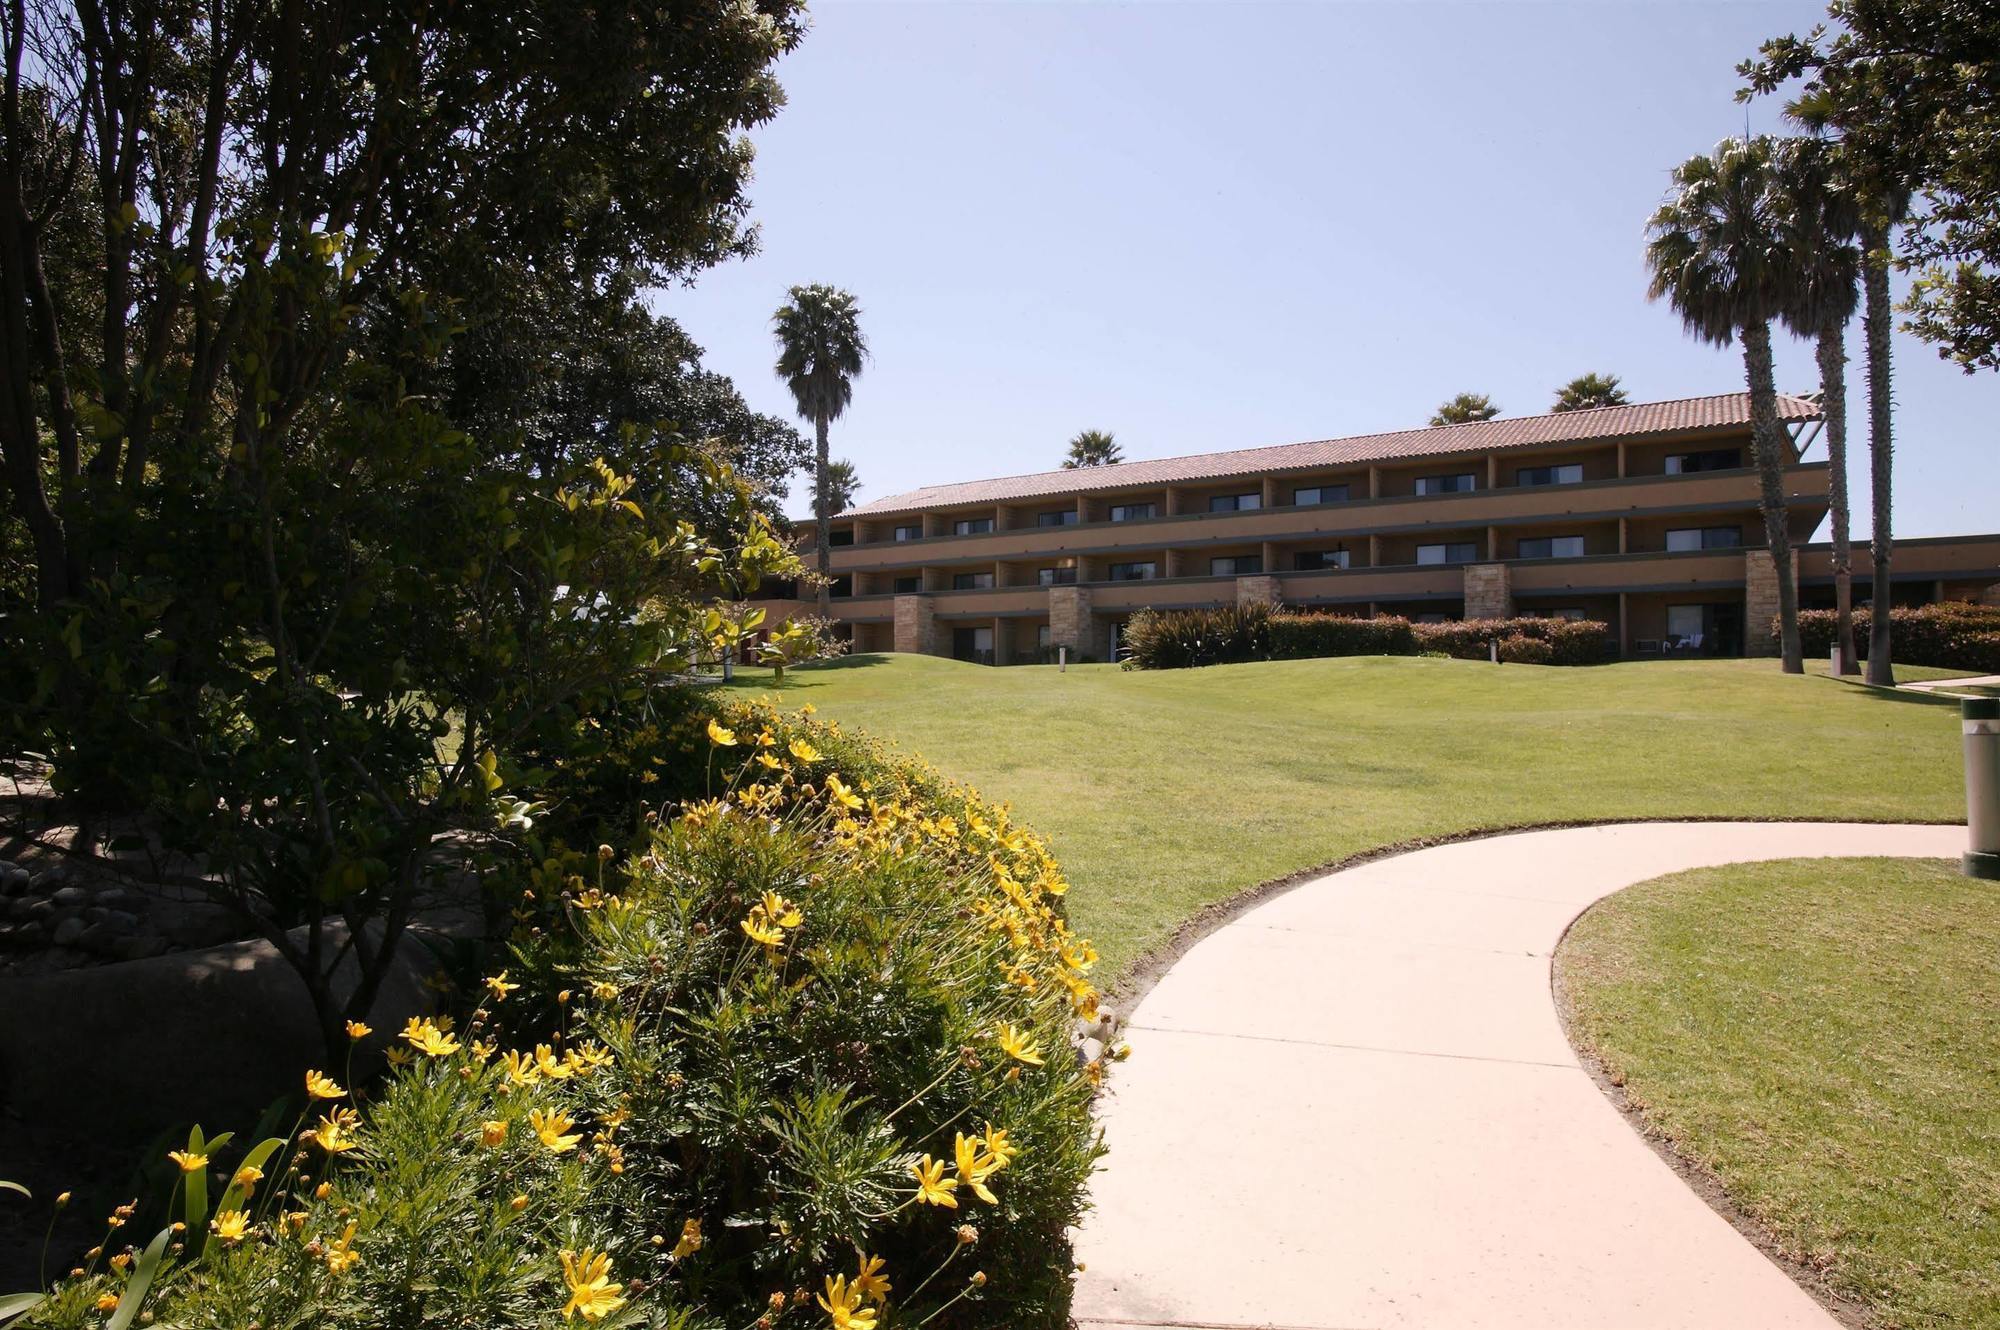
1354, 1106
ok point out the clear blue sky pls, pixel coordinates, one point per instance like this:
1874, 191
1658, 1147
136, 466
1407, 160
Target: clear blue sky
1212, 226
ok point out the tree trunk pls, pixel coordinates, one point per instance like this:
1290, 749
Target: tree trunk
825, 522
1772, 454
1832, 353
1875, 326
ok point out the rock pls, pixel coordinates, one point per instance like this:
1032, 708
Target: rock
23, 907
1088, 1051
71, 896
68, 932
13, 880
123, 921
137, 948
40, 907
197, 924
93, 913
119, 898
98, 938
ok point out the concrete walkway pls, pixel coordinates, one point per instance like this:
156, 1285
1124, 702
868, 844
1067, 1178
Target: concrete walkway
1952, 686
1354, 1107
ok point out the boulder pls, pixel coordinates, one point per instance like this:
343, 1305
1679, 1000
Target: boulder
69, 931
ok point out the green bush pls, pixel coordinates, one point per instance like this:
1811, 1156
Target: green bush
833, 980
1570, 641
1520, 650
1953, 635
1181, 638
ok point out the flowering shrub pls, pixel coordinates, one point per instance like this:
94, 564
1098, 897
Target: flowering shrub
1517, 649
1950, 635
805, 1060
1182, 638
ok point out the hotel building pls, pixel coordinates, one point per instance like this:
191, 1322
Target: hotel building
1644, 517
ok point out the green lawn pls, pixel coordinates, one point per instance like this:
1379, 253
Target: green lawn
1167, 791
1824, 1037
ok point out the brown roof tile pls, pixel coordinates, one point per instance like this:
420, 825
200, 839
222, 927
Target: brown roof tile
1609, 422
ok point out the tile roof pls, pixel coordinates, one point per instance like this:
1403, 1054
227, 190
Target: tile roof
1607, 422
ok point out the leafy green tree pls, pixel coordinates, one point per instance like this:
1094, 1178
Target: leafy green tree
1464, 408
1093, 447
842, 483
284, 596
820, 352
1589, 390
1912, 89
1716, 251
1821, 219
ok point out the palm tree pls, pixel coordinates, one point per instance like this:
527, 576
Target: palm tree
820, 351
1093, 447
1589, 390
842, 482
1880, 210
1717, 255
1821, 219
1464, 407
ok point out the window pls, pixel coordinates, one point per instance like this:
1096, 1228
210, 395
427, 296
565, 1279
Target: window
844, 536
1234, 503
1712, 459
1134, 572
1456, 552
1059, 517
972, 526
914, 532
971, 581
905, 585
1549, 547
1569, 473
1573, 613
1432, 618
1307, 560
1044, 637
842, 586
1705, 538
1056, 576
1461, 483
1305, 498
1236, 565
973, 644
1132, 512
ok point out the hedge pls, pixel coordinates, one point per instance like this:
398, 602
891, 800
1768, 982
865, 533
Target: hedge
1179, 639
804, 1056
1954, 635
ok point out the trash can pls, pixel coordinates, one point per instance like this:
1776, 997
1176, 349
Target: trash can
1980, 720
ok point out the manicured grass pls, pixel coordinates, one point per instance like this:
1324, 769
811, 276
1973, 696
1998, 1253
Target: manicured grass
1823, 1035
1167, 791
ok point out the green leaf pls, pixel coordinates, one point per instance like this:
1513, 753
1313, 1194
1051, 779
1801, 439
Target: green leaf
19, 1304
260, 1154
142, 1279
15, 1186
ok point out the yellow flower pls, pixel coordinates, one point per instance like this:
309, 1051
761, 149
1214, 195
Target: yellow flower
690, 1242
321, 1086
999, 1146
868, 1281
781, 911
804, 751
520, 1067
335, 1134
720, 736
498, 986
592, 1292
587, 1057
231, 1225
247, 1177
551, 1066
107, 1302
493, 1134
398, 1057
1016, 1044
769, 763
973, 1168
551, 1126
429, 1037
519, 1203
342, 1257
837, 791
188, 1160
758, 927
358, 1030
843, 1305
604, 990
933, 1187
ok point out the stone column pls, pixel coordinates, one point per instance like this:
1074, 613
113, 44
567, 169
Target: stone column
1258, 591
1489, 593
916, 625
1760, 602
1070, 620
